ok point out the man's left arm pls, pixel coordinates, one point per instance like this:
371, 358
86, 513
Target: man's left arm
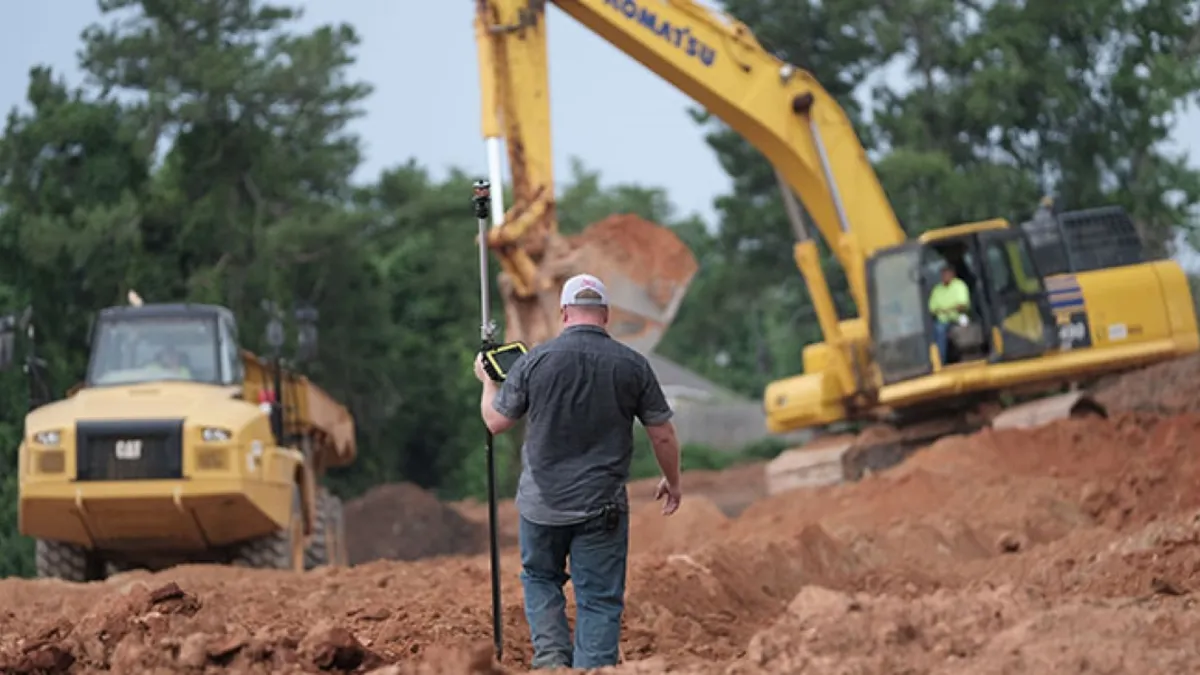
501, 405
963, 294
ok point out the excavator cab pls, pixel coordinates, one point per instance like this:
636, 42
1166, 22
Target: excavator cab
1008, 317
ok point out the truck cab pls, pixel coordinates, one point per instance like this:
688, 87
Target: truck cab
168, 342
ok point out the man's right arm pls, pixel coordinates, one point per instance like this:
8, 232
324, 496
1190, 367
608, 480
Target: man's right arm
655, 415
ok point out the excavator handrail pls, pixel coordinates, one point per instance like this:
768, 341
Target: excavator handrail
779, 108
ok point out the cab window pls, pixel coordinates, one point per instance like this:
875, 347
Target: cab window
231, 361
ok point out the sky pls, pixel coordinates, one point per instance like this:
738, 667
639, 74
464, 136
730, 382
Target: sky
608, 110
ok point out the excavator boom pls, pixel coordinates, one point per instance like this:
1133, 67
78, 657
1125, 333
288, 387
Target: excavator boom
780, 109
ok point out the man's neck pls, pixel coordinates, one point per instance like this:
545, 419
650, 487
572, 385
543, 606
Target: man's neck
582, 324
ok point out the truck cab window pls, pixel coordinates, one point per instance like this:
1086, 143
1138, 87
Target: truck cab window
154, 349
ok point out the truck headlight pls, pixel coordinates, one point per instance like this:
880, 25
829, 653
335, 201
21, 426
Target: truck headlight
215, 435
49, 438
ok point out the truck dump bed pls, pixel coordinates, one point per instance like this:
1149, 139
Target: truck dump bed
308, 409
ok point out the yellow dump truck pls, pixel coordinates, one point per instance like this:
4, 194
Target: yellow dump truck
174, 449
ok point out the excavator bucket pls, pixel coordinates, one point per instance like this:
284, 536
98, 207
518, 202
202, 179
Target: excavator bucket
645, 267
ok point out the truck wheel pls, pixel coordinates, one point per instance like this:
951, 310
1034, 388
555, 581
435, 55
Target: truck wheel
322, 549
69, 562
280, 550
112, 568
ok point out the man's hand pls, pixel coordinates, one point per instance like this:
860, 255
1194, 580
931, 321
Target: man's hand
673, 493
480, 373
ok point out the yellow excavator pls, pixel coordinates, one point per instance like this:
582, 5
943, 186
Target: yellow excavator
1061, 299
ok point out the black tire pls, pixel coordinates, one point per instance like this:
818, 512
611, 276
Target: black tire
326, 545
69, 562
276, 551
339, 556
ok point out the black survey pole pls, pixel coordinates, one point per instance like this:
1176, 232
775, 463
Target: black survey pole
487, 332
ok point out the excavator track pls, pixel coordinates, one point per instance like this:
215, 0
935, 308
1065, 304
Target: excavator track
842, 458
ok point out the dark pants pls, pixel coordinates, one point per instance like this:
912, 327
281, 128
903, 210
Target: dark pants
598, 561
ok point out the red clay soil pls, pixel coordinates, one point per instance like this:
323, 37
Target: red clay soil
1071, 548
401, 521
1167, 388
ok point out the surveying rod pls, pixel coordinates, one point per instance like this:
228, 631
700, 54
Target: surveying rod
487, 333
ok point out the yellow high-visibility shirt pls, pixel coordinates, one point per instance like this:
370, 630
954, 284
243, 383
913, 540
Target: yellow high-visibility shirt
944, 300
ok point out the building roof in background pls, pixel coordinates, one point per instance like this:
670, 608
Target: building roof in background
678, 381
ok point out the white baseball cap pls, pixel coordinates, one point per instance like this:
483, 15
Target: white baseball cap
577, 285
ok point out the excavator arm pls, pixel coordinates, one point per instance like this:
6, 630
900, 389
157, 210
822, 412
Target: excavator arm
645, 266
779, 108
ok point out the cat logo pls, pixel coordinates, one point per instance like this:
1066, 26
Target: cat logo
128, 449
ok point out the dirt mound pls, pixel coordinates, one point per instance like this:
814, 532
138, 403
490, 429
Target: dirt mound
981, 554
507, 517
1000, 630
651, 531
142, 628
724, 494
401, 521
730, 490
1168, 388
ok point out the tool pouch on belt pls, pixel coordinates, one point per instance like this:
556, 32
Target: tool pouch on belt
611, 516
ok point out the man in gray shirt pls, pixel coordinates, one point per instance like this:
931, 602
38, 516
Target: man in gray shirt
580, 393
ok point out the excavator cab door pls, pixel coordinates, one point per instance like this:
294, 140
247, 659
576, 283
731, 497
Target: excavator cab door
1022, 323
901, 328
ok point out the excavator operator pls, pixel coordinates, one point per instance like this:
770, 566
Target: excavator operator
948, 303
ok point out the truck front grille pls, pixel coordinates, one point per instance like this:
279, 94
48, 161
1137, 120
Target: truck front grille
129, 449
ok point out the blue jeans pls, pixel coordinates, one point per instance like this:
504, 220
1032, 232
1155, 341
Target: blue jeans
598, 562
941, 333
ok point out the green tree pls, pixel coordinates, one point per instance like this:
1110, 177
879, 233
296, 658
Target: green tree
68, 229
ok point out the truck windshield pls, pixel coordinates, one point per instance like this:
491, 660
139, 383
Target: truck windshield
151, 349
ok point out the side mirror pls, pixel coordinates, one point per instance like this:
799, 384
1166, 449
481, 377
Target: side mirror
275, 336
306, 337
275, 333
8, 340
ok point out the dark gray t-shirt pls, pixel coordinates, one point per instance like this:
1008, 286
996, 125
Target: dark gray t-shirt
581, 391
